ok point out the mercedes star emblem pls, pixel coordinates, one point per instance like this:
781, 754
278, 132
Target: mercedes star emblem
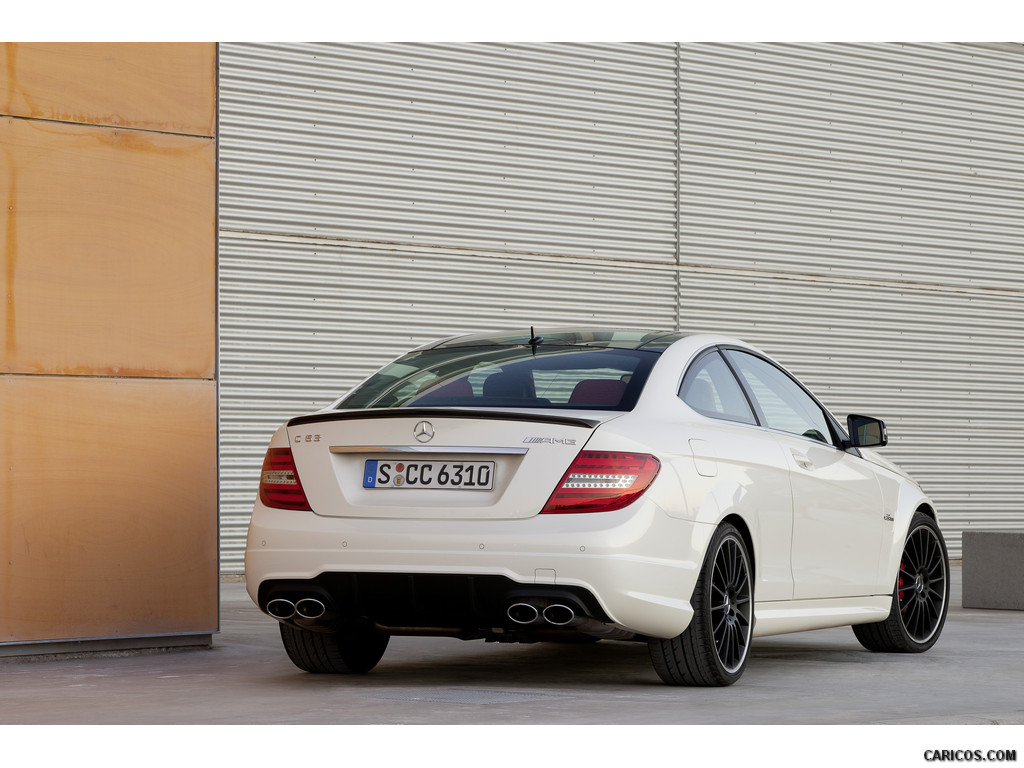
423, 432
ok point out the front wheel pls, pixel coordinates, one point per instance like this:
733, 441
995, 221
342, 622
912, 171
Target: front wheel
351, 651
713, 649
920, 597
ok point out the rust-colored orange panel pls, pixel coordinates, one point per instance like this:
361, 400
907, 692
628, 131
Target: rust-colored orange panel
108, 251
168, 87
108, 507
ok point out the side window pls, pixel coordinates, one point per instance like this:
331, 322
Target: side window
784, 403
710, 389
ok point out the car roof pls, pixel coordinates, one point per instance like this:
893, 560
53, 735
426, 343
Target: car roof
617, 338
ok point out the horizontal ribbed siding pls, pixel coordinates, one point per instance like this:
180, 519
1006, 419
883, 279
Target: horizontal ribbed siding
376, 196
852, 208
944, 377
855, 210
558, 149
302, 322
900, 162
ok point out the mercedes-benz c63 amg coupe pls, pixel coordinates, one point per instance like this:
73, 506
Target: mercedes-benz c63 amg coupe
679, 490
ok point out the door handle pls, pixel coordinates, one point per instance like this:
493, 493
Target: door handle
802, 461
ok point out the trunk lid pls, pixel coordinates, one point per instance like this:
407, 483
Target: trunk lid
436, 463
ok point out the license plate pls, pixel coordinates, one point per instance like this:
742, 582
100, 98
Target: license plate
446, 475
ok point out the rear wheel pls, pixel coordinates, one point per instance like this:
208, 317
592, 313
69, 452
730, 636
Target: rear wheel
920, 597
713, 650
352, 651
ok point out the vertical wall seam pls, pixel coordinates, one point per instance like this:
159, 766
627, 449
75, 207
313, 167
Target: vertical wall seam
678, 196
216, 292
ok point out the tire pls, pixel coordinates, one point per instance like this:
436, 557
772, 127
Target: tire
353, 651
920, 596
713, 649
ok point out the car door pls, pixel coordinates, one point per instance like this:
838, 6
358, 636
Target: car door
837, 501
744, 468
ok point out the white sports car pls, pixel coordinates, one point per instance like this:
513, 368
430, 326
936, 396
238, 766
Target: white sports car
679, 490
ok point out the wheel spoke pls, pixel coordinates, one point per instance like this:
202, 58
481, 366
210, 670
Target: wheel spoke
727, 563
717, 626
733, 647
913, 553
914, 617
737, 566
719, 579
722, 642
935, 569
907, 607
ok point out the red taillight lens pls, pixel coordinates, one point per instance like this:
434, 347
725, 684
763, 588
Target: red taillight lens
603, 481
279, 481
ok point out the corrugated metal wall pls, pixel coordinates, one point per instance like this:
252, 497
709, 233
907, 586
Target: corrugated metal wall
856, 210
564, 150
374, 197
848, 207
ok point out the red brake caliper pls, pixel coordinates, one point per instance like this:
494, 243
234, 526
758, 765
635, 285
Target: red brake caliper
899, 582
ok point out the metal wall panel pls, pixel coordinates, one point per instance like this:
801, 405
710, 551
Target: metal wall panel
557, 149
373, 197
851, 208
942, 369
855, 209
302, 321
897, 162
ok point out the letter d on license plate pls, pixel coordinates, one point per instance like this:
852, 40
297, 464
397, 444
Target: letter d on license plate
442, 475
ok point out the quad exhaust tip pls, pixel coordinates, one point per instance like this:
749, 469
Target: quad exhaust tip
523, 613
310, 608
526, 613
281, 609
559, 614
306, 608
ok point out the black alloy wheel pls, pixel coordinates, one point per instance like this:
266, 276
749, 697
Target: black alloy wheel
921, 586
731, 604
714, 648
920, 595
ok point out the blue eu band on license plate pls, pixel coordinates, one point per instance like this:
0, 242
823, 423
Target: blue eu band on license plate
440, 475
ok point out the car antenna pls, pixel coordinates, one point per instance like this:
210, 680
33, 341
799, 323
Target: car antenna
535, 340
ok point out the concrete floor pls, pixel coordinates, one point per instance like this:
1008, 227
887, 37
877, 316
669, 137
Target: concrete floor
975, 674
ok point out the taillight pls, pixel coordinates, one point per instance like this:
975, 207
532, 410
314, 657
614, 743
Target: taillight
279, 481
603, 481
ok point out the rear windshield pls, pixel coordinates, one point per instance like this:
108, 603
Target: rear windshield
509, 377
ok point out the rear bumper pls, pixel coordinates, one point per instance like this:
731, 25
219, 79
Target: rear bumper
638, 564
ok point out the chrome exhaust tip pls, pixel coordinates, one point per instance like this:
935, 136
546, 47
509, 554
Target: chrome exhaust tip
523, 613
559, 615
310, 608
281, 609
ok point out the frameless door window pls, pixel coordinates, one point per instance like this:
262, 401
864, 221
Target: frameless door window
786, 406
710, 389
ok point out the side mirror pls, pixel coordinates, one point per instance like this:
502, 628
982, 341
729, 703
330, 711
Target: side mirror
866, 432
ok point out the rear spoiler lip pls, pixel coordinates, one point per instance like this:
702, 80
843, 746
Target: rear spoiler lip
448, 413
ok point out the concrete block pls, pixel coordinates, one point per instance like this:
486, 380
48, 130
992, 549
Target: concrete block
993, 569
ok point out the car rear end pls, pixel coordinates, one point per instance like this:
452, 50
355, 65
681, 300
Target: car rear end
472, 517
